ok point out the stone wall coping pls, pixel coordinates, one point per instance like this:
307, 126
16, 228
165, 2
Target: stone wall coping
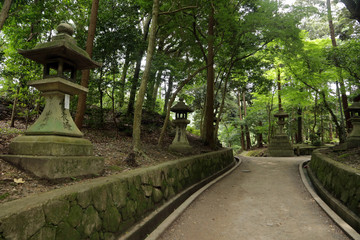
38, 200
336, 163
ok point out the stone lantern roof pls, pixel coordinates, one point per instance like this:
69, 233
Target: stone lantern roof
281, 114
181, 107
63, 46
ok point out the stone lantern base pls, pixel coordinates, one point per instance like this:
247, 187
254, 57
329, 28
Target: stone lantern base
280, 146
54, 157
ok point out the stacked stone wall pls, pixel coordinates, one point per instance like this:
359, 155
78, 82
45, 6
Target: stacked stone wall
105, 207
342, 181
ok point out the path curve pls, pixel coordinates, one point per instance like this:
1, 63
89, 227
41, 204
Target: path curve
262, 199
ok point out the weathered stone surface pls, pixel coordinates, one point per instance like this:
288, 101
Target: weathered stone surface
341, 180
120, 201
56, 210
23, 225
109, 236
280, 146
100, 196
50, 145
75, 216
119, 194
147, 190
111, 219
65, 231
91, 221
53, 167
157, 195
47, 233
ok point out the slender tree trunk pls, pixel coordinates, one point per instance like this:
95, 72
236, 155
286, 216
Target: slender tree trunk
4, 12
330, 131
344, 100
13, 112
145, 77
135, 79
299, 138
156, 90
168, 92
81, 106
315, 113
247, 133
209, 108
123, 78
260, 136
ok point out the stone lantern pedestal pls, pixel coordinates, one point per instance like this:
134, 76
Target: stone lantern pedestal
280, 145
180, 142
353, 140
53, 147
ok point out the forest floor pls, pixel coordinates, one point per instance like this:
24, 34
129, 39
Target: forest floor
108, 142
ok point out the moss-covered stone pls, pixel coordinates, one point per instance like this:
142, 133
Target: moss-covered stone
101, 197
109, 236
75, 216
111, 219
56, 210
23, 225
91, 221
119, 193
95, 236
157, 195
65, 231
84, 198
47, 233
148, 190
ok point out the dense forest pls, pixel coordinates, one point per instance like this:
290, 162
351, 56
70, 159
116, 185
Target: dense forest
232, 61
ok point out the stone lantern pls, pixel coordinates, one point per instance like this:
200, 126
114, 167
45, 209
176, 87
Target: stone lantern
353, 140
180, 142
53, 147
280, 145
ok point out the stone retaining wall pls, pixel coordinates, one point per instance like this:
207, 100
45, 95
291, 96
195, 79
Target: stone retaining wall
105, 207
342, 181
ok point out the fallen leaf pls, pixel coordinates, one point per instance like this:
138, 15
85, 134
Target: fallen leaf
18, 180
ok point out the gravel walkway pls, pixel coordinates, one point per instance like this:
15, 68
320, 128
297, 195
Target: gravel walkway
262, 199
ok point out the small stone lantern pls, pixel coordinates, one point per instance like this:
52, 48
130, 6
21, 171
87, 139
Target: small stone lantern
280, 145
281, 115
353, 140
180, 142
53, 147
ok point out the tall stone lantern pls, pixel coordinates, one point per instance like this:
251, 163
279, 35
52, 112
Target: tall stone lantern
53, 147
353, 140
280, 145
180, 142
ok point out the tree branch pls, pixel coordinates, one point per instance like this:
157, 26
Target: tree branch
178, 10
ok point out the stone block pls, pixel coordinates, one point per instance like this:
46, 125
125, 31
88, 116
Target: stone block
75, 216
56, 210
54, 167
90, 222
50, 145
111, 219
45, 233
65, 231
23, 225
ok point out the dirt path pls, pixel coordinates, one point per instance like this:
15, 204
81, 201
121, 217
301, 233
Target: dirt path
263, 199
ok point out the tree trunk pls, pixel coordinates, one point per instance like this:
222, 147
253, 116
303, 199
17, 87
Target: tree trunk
260, 136
4, 12
209, 108
123, 78
81, 106
299, 138
242, 135
135, 79
145, 77
13, 112
344, 100
168, 92
156, 90
247, 133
